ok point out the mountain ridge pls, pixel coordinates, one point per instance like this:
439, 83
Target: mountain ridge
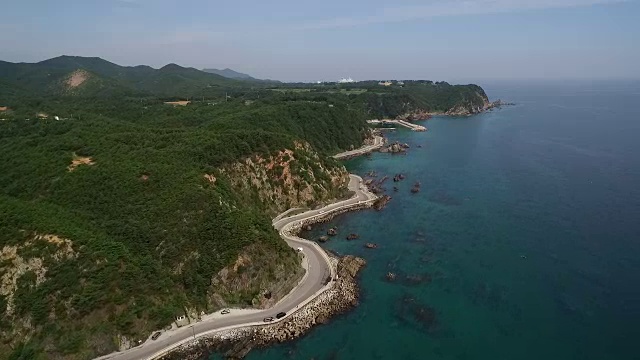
170, 80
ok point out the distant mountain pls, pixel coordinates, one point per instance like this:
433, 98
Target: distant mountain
231, 74
93, 76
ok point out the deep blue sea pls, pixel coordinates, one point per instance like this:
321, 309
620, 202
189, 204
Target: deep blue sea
523, 243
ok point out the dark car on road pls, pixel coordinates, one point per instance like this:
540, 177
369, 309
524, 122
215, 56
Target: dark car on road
155, 335
268, 319
281, 315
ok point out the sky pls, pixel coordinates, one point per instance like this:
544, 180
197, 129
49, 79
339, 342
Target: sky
299, 40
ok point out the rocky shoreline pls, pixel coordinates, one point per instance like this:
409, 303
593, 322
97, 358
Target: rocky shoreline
337, 299
458, 110
237, 343
342, 296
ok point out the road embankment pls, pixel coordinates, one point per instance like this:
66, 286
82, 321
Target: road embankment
236, 343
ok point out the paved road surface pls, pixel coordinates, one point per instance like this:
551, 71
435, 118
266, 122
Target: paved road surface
318, 271
378, 141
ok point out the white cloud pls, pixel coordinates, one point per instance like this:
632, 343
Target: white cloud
441, 8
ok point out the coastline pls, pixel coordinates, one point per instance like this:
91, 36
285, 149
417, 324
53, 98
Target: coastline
337, 295
421, 115
237, 343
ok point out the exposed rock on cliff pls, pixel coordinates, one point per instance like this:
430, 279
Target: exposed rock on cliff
415, 115
26, 265
295, 177
254, 274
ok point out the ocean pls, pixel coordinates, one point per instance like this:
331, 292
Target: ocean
523, 243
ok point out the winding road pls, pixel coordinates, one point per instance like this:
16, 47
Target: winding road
312, 284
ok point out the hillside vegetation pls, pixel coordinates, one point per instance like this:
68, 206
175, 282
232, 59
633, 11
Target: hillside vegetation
48, 77
127, 212
149, 217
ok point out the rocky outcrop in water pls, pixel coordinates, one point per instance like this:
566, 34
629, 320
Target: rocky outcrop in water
394, 148
237, 343
381, 202
416, 187
391, 276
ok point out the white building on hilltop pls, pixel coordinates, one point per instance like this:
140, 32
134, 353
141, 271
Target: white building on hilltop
349, 80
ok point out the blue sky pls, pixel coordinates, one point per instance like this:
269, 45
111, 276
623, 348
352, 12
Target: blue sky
453, 40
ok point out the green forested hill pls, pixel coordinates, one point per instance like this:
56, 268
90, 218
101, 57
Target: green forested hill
116, 218
229, 73
138, 212
46, 77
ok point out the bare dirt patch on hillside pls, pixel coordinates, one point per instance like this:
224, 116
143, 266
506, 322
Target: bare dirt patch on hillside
79, 160
178, 103
77, 78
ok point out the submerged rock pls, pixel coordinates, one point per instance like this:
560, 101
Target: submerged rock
371, 246
323, 238
332, 232
353, 236
411, 312
391, 276
442, 197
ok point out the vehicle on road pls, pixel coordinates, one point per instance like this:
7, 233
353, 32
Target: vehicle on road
155, 335
225, 311
300, 249
268, 319
281, 314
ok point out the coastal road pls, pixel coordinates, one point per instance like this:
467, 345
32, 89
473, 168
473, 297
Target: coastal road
378, 141
318, 269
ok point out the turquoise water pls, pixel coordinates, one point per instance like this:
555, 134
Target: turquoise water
524, 242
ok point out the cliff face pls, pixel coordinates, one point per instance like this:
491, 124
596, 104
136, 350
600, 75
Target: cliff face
472, 103
290, 178
478, 103
255, 279
28, 265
